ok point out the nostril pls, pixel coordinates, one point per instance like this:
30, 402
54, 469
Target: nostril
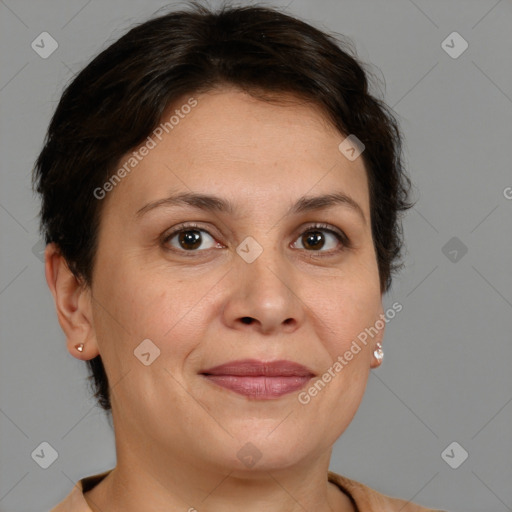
247, 320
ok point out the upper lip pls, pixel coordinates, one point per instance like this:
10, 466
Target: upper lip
255, 368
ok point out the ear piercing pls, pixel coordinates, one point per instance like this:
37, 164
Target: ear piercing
378, 353
80, 347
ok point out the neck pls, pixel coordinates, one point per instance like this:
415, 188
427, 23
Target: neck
133, 486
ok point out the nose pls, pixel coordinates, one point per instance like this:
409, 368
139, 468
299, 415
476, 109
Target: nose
264, 296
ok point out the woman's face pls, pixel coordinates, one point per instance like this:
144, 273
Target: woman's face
207, 296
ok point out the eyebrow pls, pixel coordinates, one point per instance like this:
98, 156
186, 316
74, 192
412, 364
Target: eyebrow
213, 203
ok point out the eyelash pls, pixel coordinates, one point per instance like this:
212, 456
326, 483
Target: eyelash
341, 237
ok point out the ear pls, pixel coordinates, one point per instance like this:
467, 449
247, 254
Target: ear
73, 303
380, 325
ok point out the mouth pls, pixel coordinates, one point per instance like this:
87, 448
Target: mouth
259, 379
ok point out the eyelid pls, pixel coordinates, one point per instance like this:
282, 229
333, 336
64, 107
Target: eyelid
185, 226
340, 235
326, 227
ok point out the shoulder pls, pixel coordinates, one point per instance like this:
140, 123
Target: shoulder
369, 500
75, 501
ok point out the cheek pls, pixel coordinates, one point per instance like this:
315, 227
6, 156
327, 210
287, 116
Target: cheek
347, 305
150, 303
144, 305
347, 322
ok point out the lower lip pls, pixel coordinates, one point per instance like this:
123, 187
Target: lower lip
259, 387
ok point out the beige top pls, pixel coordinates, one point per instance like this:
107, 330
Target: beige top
363, 498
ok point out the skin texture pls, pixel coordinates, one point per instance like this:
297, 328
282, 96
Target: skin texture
177, 434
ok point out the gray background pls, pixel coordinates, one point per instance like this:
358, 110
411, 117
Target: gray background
445, 375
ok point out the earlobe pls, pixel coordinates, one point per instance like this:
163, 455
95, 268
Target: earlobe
73, 304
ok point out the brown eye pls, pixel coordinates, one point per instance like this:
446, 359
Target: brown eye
190, 239
313, 240
317, 238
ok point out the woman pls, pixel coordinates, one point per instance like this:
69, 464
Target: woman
221, 199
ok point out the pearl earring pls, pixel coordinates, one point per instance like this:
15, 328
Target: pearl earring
79, 347
378, 353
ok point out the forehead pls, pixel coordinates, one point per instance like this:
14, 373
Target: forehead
228, 143
232, 124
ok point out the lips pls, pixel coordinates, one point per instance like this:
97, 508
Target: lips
259, 379
255, 368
